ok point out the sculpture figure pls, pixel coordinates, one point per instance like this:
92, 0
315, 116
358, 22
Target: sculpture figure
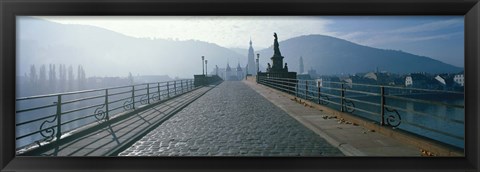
276, 50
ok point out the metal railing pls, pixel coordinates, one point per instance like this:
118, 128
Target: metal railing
46, 118
408, 109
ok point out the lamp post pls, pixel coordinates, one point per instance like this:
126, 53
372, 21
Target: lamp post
258, 64
206, 71
203, 72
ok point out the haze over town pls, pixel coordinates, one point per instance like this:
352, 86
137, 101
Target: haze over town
173, 45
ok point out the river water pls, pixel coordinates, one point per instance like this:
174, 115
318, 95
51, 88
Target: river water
438, 122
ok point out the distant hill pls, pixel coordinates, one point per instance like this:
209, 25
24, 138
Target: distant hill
106, 53
241, 51
330, 55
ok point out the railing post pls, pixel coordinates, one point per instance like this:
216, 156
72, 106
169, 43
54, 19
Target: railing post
181, 86
106, 105
318, 93
59, 117
175, 87
148, 93
306, 89
342, 94
133, 96
382, 105
296, 88
158, 91
168, 89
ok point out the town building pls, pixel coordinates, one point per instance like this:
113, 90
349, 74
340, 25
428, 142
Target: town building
228, 73
251, 61
459, 79
301, 65
240, 74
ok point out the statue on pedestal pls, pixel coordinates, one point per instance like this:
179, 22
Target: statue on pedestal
276, 50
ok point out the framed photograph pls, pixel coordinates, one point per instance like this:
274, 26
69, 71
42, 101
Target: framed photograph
188, 86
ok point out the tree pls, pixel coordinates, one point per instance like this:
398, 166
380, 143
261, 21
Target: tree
71, 79
52, 78
81, 78
62, 77
33, 75
32, 80
130, 78
42, 79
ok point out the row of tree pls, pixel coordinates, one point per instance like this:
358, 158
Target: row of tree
65, 80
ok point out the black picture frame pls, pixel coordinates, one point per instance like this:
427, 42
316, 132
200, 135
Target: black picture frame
11, 8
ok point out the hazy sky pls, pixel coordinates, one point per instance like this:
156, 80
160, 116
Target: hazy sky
438, 37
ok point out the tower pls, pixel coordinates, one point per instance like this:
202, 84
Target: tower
239, 72
228, 73
301, 67
251, 60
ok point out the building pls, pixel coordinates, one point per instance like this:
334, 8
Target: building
408, 81
416, 80
447, 81
313, 73
251, 61
300, 67
441, 79
228, 73
419, 80
459, 79
371, 75
240, 74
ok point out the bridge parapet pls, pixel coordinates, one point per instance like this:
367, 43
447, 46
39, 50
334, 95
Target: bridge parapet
47, 118
427, 113
201, 80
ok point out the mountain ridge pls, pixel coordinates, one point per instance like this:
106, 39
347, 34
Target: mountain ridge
107, 53
330, 55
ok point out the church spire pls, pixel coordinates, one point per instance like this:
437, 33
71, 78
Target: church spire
251, 60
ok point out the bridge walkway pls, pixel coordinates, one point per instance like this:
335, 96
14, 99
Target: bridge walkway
231, 120
105, 139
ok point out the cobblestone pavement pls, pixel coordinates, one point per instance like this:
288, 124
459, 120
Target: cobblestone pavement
231, 120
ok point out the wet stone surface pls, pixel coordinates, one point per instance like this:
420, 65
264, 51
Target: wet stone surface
231, 120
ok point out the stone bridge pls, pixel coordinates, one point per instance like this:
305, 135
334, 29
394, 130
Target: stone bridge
234, 118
